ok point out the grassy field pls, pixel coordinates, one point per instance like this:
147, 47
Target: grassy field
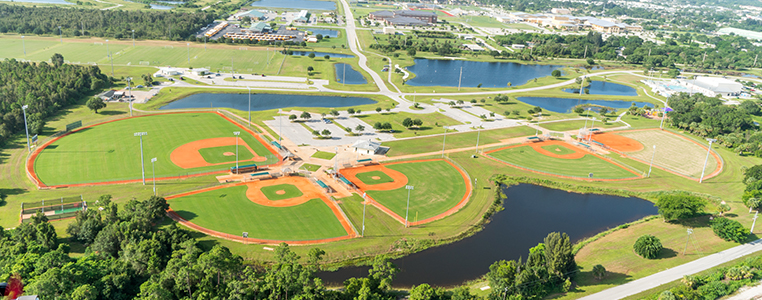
289, 191
367, 177
228, 210
672, 152
455, 140
110, 151
527, 157
558, 149
577, 124
324, 155
432, 123
216, 155
311, 167
438, 187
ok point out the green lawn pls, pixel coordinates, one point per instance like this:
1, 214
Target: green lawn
437, 187
215, 155
455, 140
324, 155
291, 191
110, 151
228, 210
432, 123
557, 149
527, 157
577, 124
311, 167
367, 177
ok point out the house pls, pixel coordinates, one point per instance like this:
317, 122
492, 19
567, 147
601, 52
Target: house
302, 16
311, 39
518, 46
606, 26
107, 95
366, 146
503, 18
472, 47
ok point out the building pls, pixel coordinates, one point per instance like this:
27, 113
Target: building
404, 21
425, 16
260, 27
560, 11
366, 146
472, 47
200, 71
303, 16
253, 14
503, 18
713, 86
169, 71
611, 27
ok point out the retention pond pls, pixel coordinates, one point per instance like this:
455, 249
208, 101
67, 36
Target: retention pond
565, 105
263, 101
434, 72
606, 88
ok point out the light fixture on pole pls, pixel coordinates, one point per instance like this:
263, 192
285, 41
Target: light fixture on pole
364, 203
129, 88
652, 162
236, 134
249, 105
23, 44
111, 57
708, 150
60, 33
478, 133
142, 165
280, 126
133, 38
188, 44
408, 188
444, 139
26, 128
590, 136
153, 166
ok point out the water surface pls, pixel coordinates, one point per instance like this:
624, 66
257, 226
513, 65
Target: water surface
565, 105
531, 212
325, 32
352, 76
322, 54
434, 72
263, 101
597, 87
296, 4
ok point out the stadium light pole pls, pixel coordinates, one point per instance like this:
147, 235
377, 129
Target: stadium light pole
142, 163
26, 128
365, 202
133, 38
708, 150
60, 34
129, 80
444, 138
478, 133
112, 64
590, 137
248, 87
188, 44
23, 44
236, 133
153, 166
652, 162
408, 188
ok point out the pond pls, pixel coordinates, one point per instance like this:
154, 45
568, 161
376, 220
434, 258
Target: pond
565, 105
263, 101
509, 234
322, 54
325, 32
597, 87
41, 1
296, 4
351, 76
434, 72
160, 7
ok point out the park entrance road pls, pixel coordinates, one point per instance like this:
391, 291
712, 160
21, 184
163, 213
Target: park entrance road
655, 280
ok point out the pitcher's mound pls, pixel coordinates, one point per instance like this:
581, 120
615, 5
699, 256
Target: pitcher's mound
376, 177
281, 192
558, 150
228, 154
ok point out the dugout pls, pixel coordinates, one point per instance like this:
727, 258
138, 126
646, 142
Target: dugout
244, 169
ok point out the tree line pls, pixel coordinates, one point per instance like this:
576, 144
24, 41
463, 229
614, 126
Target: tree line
45, 88
118, 24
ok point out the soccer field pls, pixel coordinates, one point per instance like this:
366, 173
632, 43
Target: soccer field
228, 210
438, 187
673, 151
111, 152
527, 157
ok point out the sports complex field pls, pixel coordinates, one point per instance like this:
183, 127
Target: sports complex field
289, 209
561, 159
674, 153
439, 188
183, 143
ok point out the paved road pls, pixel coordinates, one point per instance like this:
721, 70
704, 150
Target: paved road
676, 273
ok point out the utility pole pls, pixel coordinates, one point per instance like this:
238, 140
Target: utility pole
142, 165
236, 133
652, 162
709, 150
129, 88
755, 60
704, 59
112, 67
232, 70
443, 141
585, 52
753, 223
478, 133
26, 128
133, 38
460, 77
408, 188
365, 203
153, 166
188, 44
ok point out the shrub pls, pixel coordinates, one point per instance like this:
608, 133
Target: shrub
729, 230
599, 272
648, 246
738, 273
679, 206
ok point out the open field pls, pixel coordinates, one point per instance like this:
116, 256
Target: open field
324, 155
216, 155
673, 152
455, 140
432, 123
110, 152
228, 210
570, 162
577, 124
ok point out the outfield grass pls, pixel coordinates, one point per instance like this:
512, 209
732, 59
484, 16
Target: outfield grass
110, 151
311, 167
367, 177
577, 124
455, 140
291, 191
432, 123
324, 155
437, 187
558, 149
228, 210
215, 155
527, 157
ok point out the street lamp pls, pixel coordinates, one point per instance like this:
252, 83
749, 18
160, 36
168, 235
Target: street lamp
364, 203
60, 33
408, 188
236, 134
652, 162
708, 150
26, 128
478, 133
142, 163
153, 166
129, 80
23, 44
444, 138
133, 38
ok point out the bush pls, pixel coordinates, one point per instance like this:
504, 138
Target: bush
679, 206
599, 272
648, 246
739, 273
729, 230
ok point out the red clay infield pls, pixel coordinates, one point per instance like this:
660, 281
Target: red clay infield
188, 157
538, 147
309, 192
618, 142
399, 179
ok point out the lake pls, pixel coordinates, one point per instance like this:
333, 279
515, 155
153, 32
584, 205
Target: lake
325, 32
509, 235
296, 4
263, 101
565, 105
352, 76
434, 72
597, 87
322, 54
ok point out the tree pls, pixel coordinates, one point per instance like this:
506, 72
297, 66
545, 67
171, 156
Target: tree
57, 59
360, 128
502, 274
752, 174
2, 202
407, 122
305, 115
378, 109
310, 69
729, 230
311, 55
679, 206
603, 111
348, 130
292, 117
599, 272
411, 52
319, 36
479, 85
558, 254
515, 112
316, 133
590, 61
579, 110
556, 73
95, 103
647, 246
351, 111
334, 113
417, 122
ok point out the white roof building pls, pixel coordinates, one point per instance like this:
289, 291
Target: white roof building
713, 86
200, 71
169, 71
366, 146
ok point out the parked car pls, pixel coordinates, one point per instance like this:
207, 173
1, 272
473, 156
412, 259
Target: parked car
139, 86
327, 121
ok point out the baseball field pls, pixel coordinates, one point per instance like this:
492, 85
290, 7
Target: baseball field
183, 144
560, 159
